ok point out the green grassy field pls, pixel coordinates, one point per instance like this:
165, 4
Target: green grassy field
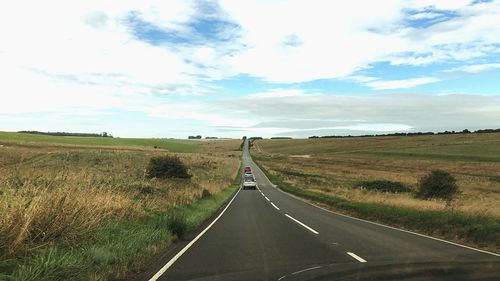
170, 145
334, 171
466, 147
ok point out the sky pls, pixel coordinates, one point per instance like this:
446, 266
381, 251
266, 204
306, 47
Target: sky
257, 68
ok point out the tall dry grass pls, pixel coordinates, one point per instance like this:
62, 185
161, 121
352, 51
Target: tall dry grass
59, 194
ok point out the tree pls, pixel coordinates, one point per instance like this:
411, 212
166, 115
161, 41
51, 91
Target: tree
437, 184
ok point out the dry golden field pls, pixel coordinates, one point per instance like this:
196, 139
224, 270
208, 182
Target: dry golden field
338, 166
60, 193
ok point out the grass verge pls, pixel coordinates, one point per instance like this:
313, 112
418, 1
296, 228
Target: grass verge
117, 248
479, 231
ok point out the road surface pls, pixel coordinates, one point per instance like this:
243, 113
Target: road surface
267, 234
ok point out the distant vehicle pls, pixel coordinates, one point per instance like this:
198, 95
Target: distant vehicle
249, 183
248, 174
248, 169
249, 177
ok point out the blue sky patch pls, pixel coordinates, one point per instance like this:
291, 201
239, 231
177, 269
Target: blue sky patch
428, 17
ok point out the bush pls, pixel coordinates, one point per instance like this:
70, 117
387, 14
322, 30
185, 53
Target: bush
166, 167
437, 184
385, 185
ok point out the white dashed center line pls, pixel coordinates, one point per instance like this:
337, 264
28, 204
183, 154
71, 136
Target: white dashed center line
302, 224
358, 258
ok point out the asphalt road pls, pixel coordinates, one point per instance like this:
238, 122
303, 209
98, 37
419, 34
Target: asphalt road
269, 235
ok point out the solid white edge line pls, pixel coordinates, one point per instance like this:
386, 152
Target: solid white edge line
307, 269
276, 207
181, 252
391, 227
358, 258
302, 224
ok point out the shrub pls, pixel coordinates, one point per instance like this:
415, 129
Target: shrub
385, 185
494, 178
166, 167
437, 184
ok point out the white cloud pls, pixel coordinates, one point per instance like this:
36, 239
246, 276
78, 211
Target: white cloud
338, 38
452, 5
204, 112
277, 93
82, 57
379, 84
400, 84
333, 37
475, 68
90, 41
471, 33
60, 55
308, 114
425, 15
376, 127
360, 78
370, 127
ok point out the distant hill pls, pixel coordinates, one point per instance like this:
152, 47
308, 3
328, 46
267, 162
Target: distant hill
61, 134
466, 131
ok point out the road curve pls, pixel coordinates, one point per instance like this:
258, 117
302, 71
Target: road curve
267, 234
